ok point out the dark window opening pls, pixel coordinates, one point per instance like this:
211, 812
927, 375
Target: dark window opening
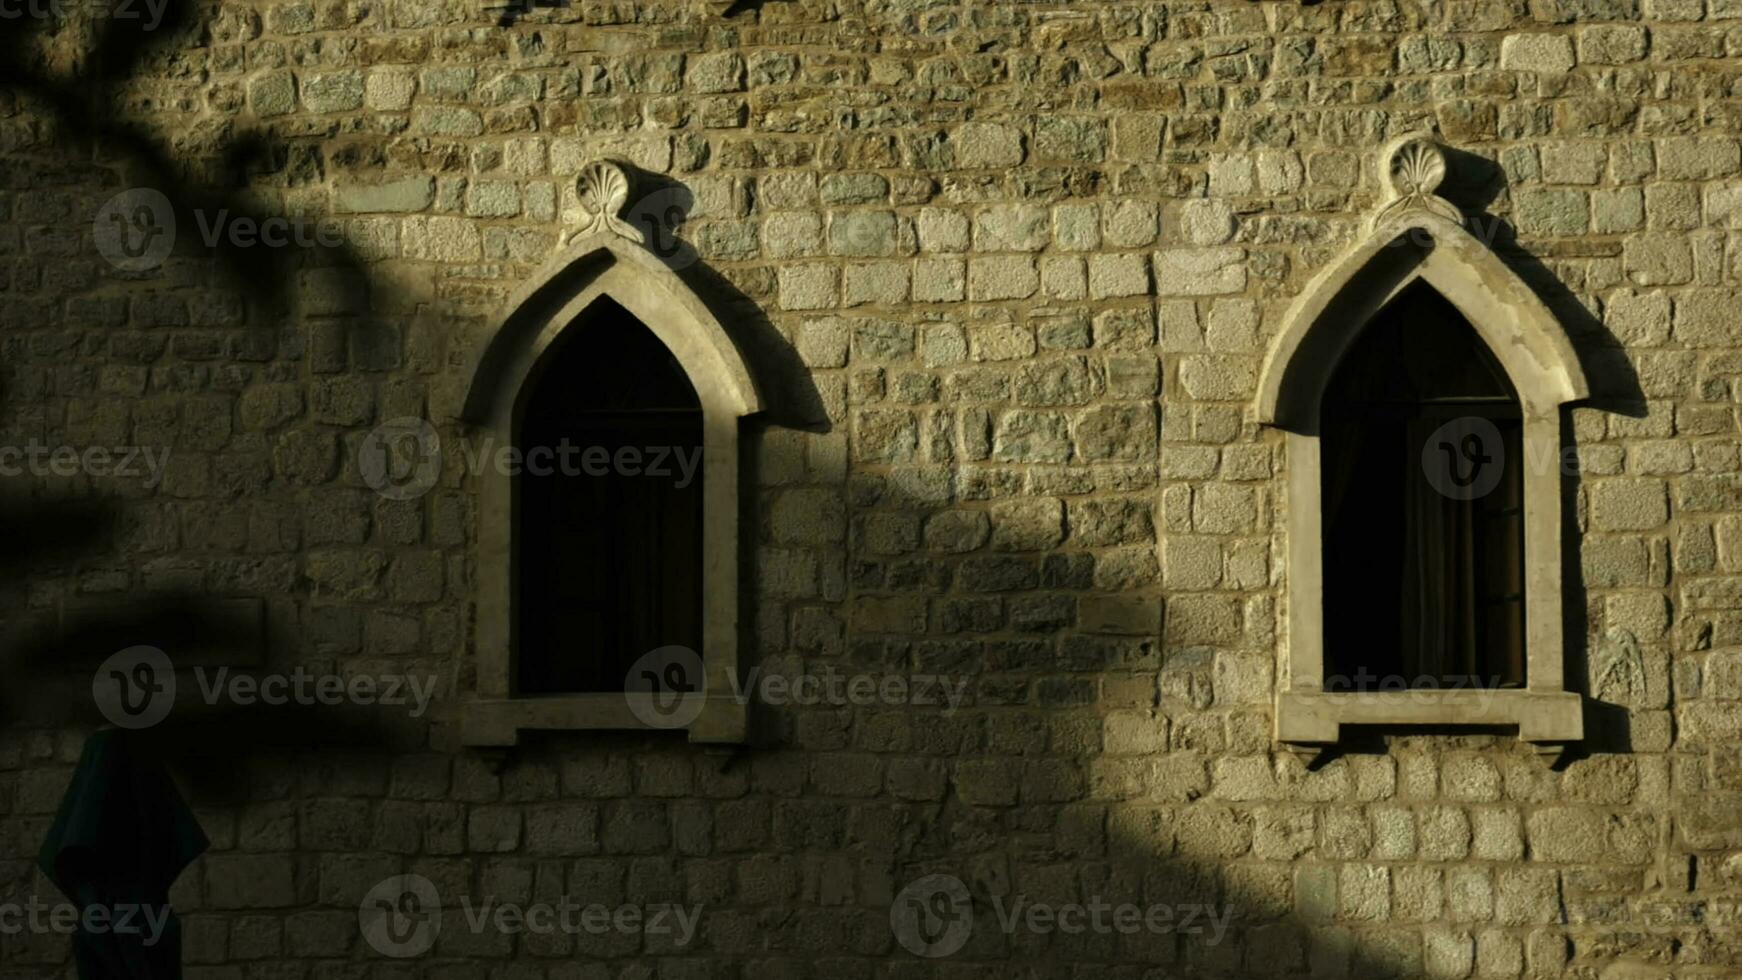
608, 518
1423, 522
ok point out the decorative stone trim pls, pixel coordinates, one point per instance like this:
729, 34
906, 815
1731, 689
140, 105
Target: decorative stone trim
606, 257
1417, 167
603, 189
1413, 234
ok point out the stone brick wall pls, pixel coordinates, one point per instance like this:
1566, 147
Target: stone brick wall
1008, 271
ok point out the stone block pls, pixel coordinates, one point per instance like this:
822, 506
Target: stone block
1200, 271
1549, 54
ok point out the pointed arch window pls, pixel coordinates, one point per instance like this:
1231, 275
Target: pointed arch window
1422, 485
608, 549
1420, 386
617, 535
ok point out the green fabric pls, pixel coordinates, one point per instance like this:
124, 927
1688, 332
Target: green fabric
121, 838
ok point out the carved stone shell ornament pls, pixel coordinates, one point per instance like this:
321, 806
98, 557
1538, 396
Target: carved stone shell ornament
603, 189
1415, 171
1418, 169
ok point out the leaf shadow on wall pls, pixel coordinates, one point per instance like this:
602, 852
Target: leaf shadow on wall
205, 175
1079, 821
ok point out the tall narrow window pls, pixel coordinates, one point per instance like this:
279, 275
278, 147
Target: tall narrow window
608, 507
1423, 495
1420, 388
617, 537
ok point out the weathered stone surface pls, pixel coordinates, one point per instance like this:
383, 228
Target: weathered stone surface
1011, 228
721, 71
389, 89
1031, 524
340, 91
1002, 277
1548, 53
1707, 318
404, 194
1005, 279
1611, 44
1658, 259
811, 287
987, 145
792, 234
1112, 276
441, 239
272, 94
1198, 272
1628, 504
1553, 212
1032, 437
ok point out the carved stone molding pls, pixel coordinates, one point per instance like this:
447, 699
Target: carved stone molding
603, 191
1414, 168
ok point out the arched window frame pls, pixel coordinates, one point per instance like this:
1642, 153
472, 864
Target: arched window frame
606, 258
1414, 235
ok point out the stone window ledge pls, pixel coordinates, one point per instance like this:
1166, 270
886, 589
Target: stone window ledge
1315, 718
499, 721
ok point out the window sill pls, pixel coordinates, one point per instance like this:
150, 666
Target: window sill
499, 722
1316, 718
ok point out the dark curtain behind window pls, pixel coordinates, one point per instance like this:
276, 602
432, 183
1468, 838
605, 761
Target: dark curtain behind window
608, 565
1423, 574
